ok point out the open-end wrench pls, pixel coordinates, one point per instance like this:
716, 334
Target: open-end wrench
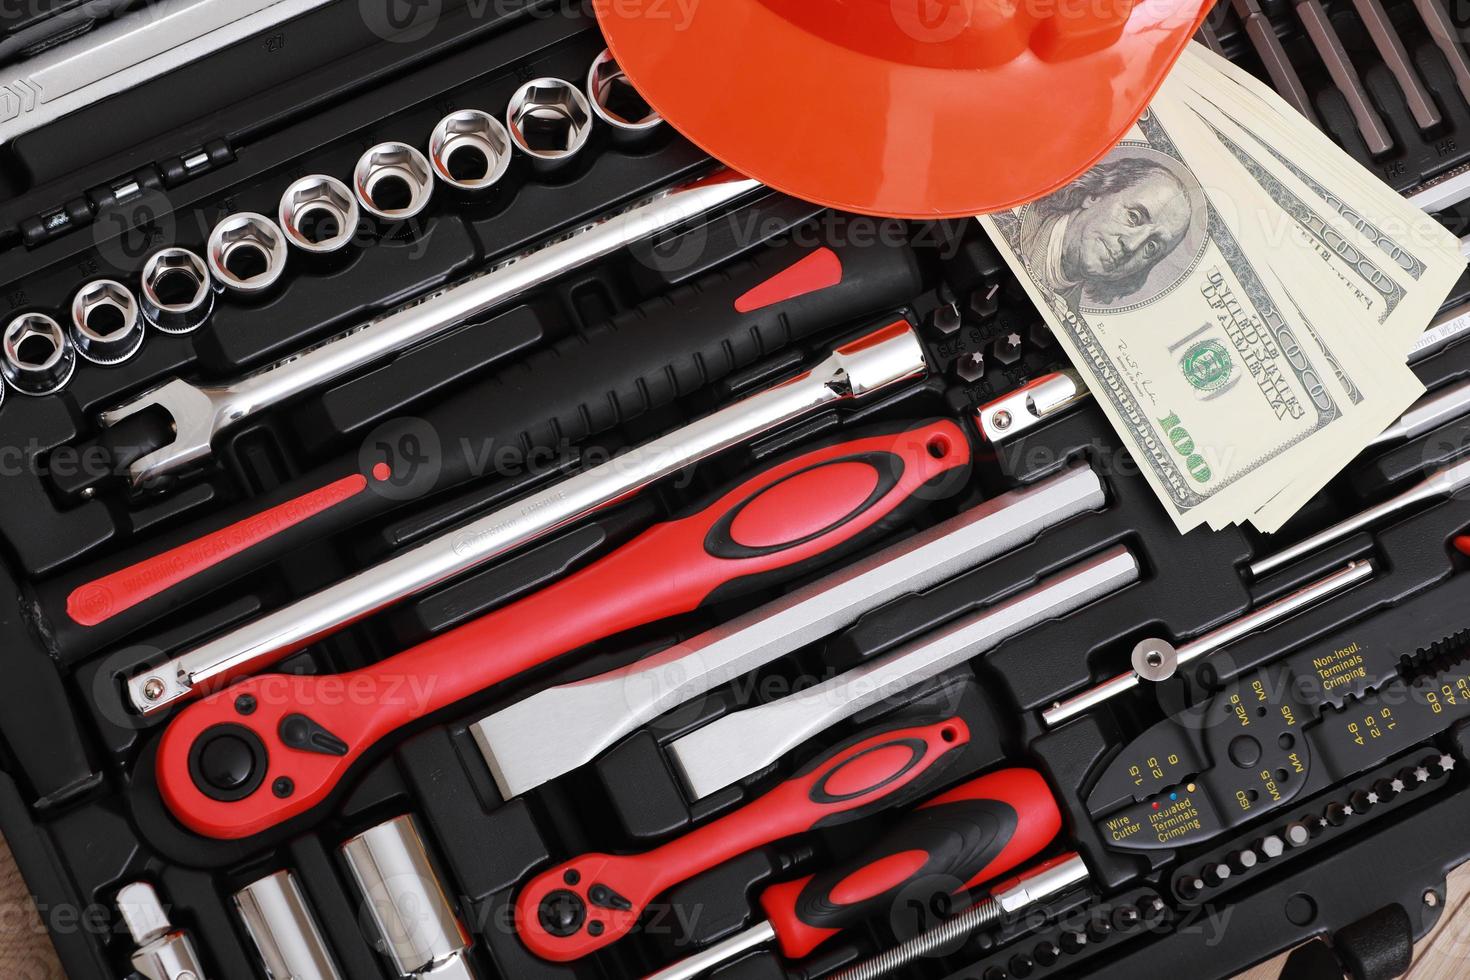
591, 901
744, 742
221, 768
875, 362
952, 843
504, 423
555, 731
129, 49
201, 412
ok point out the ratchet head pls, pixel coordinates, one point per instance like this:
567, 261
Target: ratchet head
269, 748
196, 414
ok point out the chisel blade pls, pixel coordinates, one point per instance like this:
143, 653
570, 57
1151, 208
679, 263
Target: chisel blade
561, 728
742, 744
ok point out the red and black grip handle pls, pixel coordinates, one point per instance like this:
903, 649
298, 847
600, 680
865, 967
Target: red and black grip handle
273, 746
955, 842
515, 420
590, 902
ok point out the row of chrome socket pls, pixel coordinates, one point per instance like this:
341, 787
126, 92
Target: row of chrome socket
414, 920
548, 119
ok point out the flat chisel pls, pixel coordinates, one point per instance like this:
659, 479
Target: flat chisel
561, 728
745, 742
951, 844
781, 522
665, 349
592, 901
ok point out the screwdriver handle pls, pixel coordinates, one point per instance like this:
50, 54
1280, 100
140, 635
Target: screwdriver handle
1463, 543
667, 348
781, 523
589, 902
952, 843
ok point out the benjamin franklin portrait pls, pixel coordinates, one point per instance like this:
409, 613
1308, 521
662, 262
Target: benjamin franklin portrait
1105, 241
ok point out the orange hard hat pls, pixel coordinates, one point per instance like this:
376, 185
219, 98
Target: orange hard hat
907, 108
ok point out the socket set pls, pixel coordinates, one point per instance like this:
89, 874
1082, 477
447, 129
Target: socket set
450, 527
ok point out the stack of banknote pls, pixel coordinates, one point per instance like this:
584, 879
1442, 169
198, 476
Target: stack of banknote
1237, 291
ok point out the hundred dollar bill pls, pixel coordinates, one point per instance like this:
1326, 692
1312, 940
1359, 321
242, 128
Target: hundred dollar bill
1365, 232
1390, 259
1216, 385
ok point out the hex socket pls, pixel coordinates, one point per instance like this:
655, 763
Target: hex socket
285, 932
177, 296
406, 900
35, 356
106, 327
246, 253
616, 102
393, 181
469, 150
549, 121
318, 214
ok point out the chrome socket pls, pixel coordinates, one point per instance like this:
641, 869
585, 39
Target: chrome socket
35, 356
549, 120
285, 932
416, 924
393, 181
318, 214
616, 102
469, 150
177, 296
106, 327
246, 253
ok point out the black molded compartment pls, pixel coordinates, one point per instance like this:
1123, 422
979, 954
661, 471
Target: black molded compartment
77, 800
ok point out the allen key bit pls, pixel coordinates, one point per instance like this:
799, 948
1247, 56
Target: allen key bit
1206, 35
1284, 77
1445, 35
1329, 47
1391, 50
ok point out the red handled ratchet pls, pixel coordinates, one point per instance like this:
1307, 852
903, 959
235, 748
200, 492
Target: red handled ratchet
273, 746
590, 902
953, 843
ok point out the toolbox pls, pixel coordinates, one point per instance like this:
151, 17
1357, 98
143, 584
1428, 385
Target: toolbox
779, 449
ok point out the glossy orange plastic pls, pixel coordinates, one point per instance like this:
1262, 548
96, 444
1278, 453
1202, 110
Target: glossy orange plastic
909, 108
